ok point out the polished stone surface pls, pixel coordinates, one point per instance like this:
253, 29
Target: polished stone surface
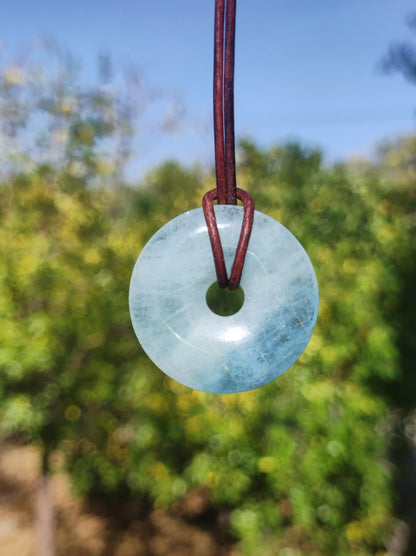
223, 354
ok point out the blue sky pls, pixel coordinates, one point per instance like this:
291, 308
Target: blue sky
305, 70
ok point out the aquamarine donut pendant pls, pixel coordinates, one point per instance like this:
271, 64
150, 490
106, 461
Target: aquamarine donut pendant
206, 351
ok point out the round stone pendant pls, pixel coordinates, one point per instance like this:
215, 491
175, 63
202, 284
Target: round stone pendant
207, 351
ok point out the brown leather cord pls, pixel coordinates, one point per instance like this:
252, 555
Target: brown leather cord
228, 95
224, 137
214, 236
218, 101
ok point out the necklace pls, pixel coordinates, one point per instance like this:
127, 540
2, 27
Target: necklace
224, 251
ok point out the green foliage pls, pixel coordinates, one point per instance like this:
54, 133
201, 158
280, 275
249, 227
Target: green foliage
301, 465
61, 277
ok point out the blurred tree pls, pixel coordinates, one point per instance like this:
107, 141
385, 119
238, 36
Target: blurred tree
398, 170
299, 466
49, 117
62, 282
401, 57
398, 163
68, 243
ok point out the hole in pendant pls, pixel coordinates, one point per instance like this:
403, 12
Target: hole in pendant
224, 302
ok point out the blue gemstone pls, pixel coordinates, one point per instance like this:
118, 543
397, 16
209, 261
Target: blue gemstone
206, 351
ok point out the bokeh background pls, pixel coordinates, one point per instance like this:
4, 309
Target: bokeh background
105, 135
